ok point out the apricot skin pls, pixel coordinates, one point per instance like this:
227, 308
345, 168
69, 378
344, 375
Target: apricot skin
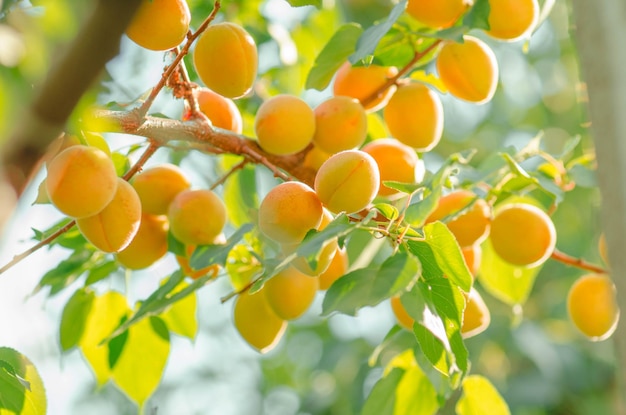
476, 316
592, 307
512, 19
348, 181
337, 269
157, 186
402, 316
414, 115
226, 59
81, 181
160, 24
284, 125
222, 111
325, 256
256, 322
340, 124
194, 273
113, 228
149, 244
289, 211
438, 14
196, 217
360, 82
290, 293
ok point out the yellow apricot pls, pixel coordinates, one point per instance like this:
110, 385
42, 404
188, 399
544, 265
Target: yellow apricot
470, 227
602, 249
256, 322
340, 124
65, 141
468, 70
396, 162
476, 316
222, 111
522, 234
402, 316
149, 244
414, 115
315, 157
325, 256
592, 307
160, 24
193, 273
360, 82
112, 229
512, 19
290, 293
472, 255
196, 217
81, 181
337, 269
289, 211
438, 14
284, 124
226, 59
157, 186
348, 181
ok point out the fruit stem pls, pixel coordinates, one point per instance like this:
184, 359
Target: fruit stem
229, 173
577, 262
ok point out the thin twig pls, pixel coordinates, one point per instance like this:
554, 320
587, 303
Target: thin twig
229, 173
577, 262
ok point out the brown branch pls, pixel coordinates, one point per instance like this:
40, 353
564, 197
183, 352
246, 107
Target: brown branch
229, 173
577, 262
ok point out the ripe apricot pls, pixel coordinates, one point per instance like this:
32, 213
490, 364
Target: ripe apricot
315, 157
112, 229
512, 19
81, 181
438, 14
290, 293
222, 111
362, 81
337, 269
348, 181
325, 256
196, 217
340, 124
476, 316
414, 115
160, 24
592, 307
469, 70
402, 317
256, 322
149, 244
522, 234
472, 255
396, 162
469, 227
226, 59
65, 141
157, 186
284, 124
289, 211
193, 273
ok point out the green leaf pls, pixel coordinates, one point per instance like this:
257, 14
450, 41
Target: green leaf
175, 246
480, 397
300, 3
415, 394
314, 240
121, 162
241, 197
141, 363
180, 318
74, 317
448, 254
381, 400
369, 40
369, 286
101, 271
66, 272
388, 211
21, 388
478, 16
333, 55
205, 255
394, 343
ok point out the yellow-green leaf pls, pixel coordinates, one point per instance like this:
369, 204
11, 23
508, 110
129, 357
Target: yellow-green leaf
21, 388
180, 318
480, 397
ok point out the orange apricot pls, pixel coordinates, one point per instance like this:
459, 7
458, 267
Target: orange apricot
157, 186
438, 14
196, 217
193, 273
472, 255
402, 316
315, 157
81, 181
114, 227
522, 234
160, 24
360, 82
592, 307
512, 19
289, 211
226, 59
468, 70
290, 293
256, 322
340, 124
414, 115
476, 316
396, 162
222, 111
149, 244
348, 181
338, 268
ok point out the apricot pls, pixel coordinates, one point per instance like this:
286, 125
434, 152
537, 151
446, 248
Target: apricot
290, 293
196, 217
289, 211
523, 234
396, 162
472, 255
193, 273
222, 111
160, 24
476, 316
360, 82
284, 124
149, 244
414, 115
315, 157
157, 186
113, 228
468, 70
226, 59
81, 181
512, 19
438, 14
256, 322
402, 316
325, 255
592, 307
348, 181
336, 269
340, 124
469, 227
65, 141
